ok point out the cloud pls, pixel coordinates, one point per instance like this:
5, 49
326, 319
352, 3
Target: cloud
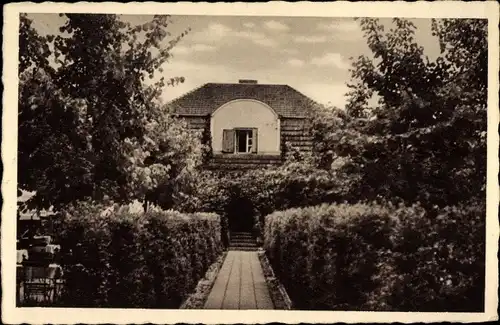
331, 59
276, 25
267, 42
296, 62
179, 49
216, 32
344, 29
249, 25
183, 50
310, 39
255, 37
198, 73
203, 48
195, 75
290, 51
344, 26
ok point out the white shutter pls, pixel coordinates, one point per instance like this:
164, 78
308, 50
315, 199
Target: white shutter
254, 140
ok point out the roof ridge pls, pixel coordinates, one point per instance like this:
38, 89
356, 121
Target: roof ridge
245, 84
286, 100
188, 93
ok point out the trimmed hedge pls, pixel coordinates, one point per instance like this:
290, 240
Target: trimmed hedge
374, 257
142, 260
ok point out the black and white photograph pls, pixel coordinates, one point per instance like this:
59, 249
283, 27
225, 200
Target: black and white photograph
279, 161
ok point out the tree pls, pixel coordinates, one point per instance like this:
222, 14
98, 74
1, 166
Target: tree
425, 140
33, 49
54, 156
85, 118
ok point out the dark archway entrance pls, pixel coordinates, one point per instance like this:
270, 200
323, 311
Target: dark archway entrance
240, 215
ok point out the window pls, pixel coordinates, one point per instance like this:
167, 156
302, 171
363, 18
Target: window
239, 141
243, 141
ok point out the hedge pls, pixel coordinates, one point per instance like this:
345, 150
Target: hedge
379, 257
142, 260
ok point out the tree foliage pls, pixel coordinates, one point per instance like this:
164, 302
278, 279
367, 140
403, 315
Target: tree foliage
426, 138
88, 120
33, 48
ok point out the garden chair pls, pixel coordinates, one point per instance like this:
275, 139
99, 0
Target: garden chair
39, 285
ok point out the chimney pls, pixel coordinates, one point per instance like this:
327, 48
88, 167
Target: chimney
247, 81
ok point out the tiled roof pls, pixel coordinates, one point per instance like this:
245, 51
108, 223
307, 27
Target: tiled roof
285, 100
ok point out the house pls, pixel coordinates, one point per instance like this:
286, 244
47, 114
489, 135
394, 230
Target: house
247, 124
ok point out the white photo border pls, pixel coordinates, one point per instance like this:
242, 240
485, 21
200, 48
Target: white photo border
445, 9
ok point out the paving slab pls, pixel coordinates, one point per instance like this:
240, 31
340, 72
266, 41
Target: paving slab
240, 284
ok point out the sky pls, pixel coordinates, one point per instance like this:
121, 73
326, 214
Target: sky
311, 54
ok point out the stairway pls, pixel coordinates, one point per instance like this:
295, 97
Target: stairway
242, 241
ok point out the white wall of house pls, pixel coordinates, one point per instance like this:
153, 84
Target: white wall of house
247, 113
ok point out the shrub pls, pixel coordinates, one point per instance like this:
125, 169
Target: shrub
209, 195
438, 261
142, 260
257, 193
326, 255
379, 257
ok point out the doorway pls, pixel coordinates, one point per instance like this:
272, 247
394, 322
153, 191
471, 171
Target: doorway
240, 215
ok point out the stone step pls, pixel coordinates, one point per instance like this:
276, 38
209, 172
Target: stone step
242, 240
240, 236
232, 238
242, 245
252, 241
240, 233
246, 240
241, 248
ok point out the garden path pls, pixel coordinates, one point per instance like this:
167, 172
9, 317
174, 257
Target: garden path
240, 284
